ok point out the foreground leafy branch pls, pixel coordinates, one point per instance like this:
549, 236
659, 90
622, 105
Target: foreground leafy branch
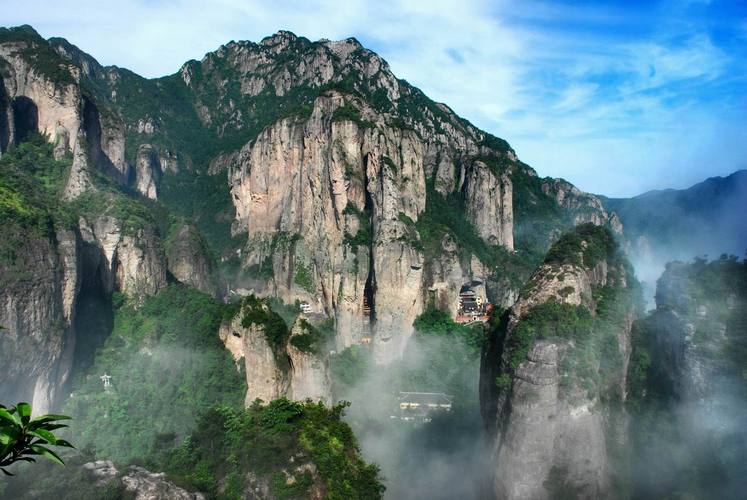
22, 439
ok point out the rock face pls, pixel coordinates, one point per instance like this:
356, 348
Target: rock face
583, 207
688, 382
79, 179
310, 377
489, 202
35, 102
548, 436
266, 374
37, 300
147, 485
551, 430
131, 262
342, 163
376, 175
189, 261
287, 368
690, 329
338, 193
371, 179
40, 293
139, 482
147, 171
140, 267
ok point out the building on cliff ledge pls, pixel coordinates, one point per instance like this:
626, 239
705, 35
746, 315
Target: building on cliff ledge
472, 306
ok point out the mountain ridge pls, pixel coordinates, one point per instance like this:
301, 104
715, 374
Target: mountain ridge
309, 171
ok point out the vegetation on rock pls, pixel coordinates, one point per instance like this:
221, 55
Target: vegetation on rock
164, 351
275, 441
688, 383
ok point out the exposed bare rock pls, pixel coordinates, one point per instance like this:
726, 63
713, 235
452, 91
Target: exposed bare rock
548, 436
551, 429
102, 470
132, 263
139, 482
297, 367
290, 182
147, 171
140, 266
310, 377
189, 260
489, 203
79, 180
40, 293
687, 339
266, 371
49, 107
583, 207
37, 300
61, 142
567, 283
148, 485
112, 148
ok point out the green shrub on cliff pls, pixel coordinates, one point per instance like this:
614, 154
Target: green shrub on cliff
268, 440
256, 311
433, 321
584, 246
30, 182
551, 319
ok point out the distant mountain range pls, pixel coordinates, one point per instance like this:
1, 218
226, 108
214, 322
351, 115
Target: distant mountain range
707, 218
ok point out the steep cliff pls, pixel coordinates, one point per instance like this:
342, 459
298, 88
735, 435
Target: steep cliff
54, 253
278, 361
190, 260
37, 297
554, 370
40, 93
312, 172
331, 163
688, 392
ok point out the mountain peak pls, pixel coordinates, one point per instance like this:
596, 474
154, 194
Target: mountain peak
281, 37
23, 33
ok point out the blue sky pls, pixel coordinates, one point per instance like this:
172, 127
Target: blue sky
617, 97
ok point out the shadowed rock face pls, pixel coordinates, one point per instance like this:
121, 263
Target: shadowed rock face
36, 344
189, 261
25, 118
688, 383
40, 296
693, 332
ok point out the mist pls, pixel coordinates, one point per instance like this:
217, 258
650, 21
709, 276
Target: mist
689, 416
445, 458
706, 220
698, 448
